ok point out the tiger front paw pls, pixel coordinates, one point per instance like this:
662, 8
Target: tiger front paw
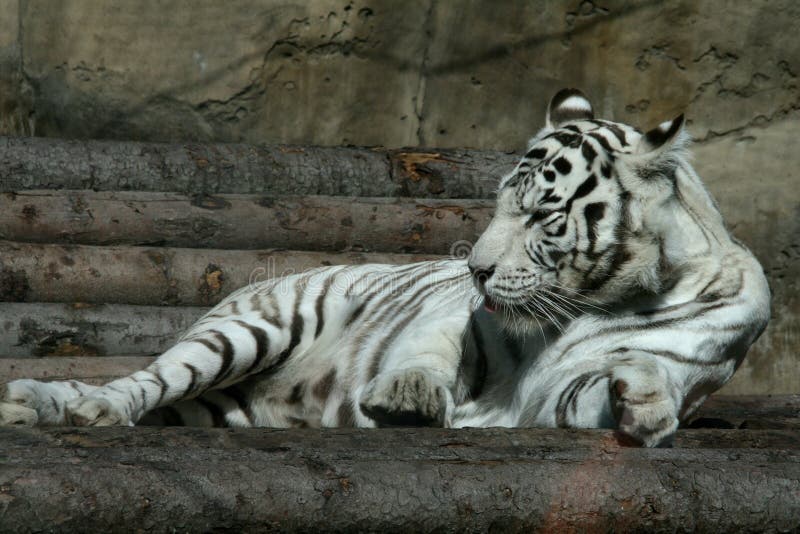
18, 403
410, 397
96, 411
644, 411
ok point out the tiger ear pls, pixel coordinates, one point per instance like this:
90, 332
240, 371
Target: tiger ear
658, 151
568, 105
661, 138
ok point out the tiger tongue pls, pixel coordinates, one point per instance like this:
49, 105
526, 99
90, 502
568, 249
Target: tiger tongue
489, 305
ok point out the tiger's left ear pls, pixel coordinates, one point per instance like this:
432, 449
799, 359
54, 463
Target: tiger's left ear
658, 151
661, 138
568, 105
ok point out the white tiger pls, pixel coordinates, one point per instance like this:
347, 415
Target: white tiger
612, 296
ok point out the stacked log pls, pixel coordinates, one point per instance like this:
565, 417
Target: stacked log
318, 223
94, 234
391, 480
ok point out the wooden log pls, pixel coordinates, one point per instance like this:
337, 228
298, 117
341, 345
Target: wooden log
749, 412
193, 168
242, 221
36, 329
153, 276
84, 368
99, 480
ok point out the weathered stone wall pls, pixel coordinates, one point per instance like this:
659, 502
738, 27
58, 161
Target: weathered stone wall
13, 110
394, 73
437, 73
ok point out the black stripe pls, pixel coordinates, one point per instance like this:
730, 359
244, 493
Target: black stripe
568, 397
561, 230
619, 257
322, 389
537, 153
593, 213
296, 396
193, 382
548, 196
319, 307
262, 344
573, 400
605, 168
584, 189
618, 133
209, 345
555, 255
602, 140
565, 138
163, 384
226, 355
274, 321
357, 312
296, 332
589, 153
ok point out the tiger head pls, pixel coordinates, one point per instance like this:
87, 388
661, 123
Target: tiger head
570, 218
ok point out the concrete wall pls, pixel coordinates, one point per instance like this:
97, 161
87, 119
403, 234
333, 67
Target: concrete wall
436, 73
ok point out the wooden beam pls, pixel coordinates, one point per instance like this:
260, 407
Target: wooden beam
242, 221
39, 329
153, 276
195, 168
96, 480
749, 412
84, 368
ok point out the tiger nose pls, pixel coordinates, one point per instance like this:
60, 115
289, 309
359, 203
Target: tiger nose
481, 274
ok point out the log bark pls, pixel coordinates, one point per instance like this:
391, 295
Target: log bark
749, 412
192, 168
37, 329
94, 480
242, 221
153, 276
84, 368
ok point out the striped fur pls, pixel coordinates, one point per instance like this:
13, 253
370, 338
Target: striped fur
612, 296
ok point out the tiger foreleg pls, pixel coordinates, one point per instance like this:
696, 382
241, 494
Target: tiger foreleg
28, 402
